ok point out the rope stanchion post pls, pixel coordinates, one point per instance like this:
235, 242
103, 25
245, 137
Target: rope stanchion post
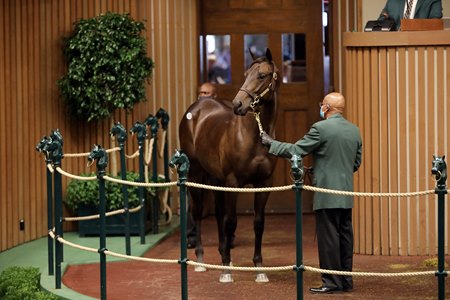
120, 132
181, 162
439, 169
99, 154
55, 152
297, 173
163, 115
40, 148
141, 134
152, 122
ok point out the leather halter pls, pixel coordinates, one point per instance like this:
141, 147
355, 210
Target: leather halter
256, 97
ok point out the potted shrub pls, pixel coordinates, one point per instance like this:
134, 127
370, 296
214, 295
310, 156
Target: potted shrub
82, 198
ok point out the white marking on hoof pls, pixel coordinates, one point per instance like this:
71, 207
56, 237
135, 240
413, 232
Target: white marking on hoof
199, 269
188, 116
226, 278
261, 277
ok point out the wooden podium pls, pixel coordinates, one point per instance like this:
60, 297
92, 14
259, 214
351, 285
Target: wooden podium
397, 87
421, 24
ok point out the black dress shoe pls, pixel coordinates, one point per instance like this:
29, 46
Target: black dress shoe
324, 290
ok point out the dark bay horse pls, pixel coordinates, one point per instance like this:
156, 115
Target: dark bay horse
222, 142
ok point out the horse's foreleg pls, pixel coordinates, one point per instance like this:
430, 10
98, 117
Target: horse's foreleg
258, 228
220, 216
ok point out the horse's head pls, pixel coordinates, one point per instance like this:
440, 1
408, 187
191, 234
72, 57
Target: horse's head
119, 131
261, 83
152, 122
439, 169
99, 154
52, 147
139, 129
164, 116
297, 167
179, 161
40, 146
56, 135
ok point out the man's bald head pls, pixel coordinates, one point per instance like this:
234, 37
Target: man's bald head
334, 103
207, 90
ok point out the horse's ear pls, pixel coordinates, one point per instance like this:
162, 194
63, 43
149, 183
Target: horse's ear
443, 157
251, 53
434, 156
268, 54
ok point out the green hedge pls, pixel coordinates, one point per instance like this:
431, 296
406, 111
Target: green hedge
22, 283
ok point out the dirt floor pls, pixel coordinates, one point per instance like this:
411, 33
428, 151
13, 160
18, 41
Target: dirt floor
143, 280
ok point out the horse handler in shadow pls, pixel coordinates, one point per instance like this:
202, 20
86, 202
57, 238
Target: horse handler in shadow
336, 146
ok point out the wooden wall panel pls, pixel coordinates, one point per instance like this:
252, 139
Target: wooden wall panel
31, 62
400, 102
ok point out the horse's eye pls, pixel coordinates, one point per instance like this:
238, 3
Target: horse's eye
261, 75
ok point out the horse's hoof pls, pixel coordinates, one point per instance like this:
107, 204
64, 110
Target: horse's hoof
226, 278
261, 277
199, 269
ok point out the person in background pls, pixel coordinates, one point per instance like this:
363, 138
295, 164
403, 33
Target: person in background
411, 9
336, 146
207, 90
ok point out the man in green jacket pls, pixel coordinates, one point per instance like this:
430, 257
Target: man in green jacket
336, 146
411, 9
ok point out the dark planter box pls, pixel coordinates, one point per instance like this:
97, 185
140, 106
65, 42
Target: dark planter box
115, 225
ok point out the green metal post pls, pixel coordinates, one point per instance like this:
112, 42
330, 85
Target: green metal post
163, 115
121, 134
181, 162
441, 191
155, 200
40, 148
297, 172
141, 132
55, 153
152, 122
101, 156
49, 218
123, 172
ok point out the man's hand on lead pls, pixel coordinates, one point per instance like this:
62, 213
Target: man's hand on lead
266, 140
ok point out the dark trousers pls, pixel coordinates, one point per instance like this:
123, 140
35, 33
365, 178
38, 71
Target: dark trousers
335, 243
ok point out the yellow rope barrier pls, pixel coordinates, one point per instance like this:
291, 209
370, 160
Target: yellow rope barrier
150, 184
376, 274
75, 176
97, 216
87, 153
239, 190
244, 269
50, 168
135, 154
363, 194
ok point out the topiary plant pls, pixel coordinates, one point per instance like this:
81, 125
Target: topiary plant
107, 66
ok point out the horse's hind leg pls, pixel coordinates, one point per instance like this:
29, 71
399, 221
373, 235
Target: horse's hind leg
226, 223
258, 228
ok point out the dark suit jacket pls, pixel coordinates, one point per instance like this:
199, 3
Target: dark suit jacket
425, 9
336, 146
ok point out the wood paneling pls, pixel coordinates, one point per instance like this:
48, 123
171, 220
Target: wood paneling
400, 103
31, 62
